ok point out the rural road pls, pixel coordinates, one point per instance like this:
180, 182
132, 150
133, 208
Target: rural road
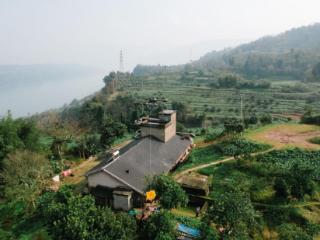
189, 170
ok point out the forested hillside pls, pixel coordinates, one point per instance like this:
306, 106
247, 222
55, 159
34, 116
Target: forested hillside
292, 54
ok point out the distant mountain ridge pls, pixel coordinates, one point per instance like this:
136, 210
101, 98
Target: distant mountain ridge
302, 38
290, 54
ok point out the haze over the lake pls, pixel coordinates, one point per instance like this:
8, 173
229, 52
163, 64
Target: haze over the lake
148, 31
91, 33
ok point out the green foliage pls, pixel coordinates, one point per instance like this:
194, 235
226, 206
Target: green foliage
313, 74
286, 159
189, 221
232, 210
228, 81
208, 232
17, 134
109, 78
315, 140
292, 232
233, 125
170, 194
72, 216
266, 119
200, 156
300, 178
239, 146
89, 145
181, 109
181, 127
251, 120
311, 119
160, 226
214, 134
126, 109
281, 187
92, 114
16, 224
26, 175
110, 130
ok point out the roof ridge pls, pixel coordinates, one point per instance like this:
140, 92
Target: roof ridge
123, 181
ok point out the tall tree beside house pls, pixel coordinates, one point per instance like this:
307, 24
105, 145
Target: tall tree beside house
25, 174
72, 216
170, 194
110, 130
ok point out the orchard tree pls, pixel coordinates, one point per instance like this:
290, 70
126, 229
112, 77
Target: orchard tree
25, 175
207, 232
233, 126
17, 134
292, 232
159, 226
72, 216
281, 187
301, 180
111, 130
266, 119
233, 211
170, 194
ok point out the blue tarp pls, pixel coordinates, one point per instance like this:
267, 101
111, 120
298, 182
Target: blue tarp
188, 230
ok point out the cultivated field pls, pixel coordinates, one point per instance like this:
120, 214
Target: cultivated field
286, 135
220, 102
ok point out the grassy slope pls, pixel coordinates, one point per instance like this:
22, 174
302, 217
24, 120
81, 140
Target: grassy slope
79, 171
200, 156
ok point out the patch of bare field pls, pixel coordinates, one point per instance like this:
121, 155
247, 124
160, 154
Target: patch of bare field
287, 135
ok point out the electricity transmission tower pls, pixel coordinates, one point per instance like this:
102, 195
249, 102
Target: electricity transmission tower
121, 67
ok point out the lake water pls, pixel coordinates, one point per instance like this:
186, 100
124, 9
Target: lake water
36, 98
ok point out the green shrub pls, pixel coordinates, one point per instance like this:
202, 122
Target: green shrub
315, 140
239, 146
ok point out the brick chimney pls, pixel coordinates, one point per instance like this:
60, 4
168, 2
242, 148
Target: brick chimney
162, 128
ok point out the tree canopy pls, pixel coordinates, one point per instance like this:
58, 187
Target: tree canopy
25, 174
159, 226
170, 194
233, 211
72, 216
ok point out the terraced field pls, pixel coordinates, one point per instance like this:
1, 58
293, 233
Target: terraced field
227, 102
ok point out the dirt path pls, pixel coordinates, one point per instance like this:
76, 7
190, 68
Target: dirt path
298, 205
189, 170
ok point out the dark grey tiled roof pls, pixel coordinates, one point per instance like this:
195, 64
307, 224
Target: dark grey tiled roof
144, 158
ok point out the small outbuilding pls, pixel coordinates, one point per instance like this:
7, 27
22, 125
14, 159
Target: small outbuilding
196, 186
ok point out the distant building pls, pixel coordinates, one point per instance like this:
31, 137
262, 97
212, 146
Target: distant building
121, 179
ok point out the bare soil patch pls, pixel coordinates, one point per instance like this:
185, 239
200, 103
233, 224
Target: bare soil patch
287, 135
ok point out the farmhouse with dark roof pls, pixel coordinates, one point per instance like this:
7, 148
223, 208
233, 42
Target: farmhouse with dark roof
121, 179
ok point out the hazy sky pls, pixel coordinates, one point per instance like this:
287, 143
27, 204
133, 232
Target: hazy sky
92, 32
